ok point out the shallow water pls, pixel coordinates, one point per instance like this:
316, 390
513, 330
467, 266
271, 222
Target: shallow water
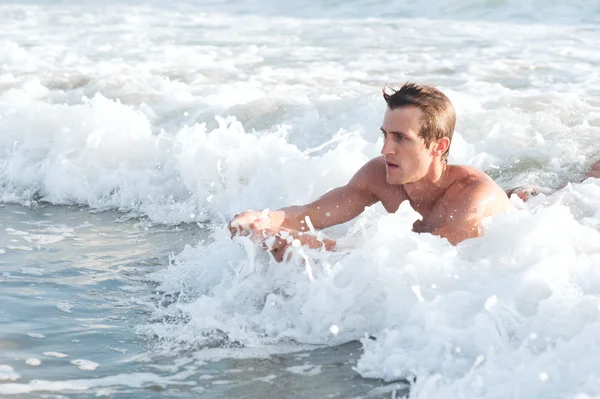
130, 133
74, 289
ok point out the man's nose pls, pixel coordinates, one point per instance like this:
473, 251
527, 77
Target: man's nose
387, 147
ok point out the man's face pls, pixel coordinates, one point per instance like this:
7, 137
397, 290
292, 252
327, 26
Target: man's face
407, 158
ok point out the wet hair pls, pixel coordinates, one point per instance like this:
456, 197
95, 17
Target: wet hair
438, 116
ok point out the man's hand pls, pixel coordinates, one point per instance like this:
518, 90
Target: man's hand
277, 242
594, 170
250, 222
261, 227
274, 238
523, 192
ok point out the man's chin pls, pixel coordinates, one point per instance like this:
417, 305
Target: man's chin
393, 180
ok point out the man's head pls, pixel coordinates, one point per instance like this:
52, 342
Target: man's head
417, 127
438, 116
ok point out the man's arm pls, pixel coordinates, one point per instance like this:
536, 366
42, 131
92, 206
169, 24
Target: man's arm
335, 207
465, 214
283, 238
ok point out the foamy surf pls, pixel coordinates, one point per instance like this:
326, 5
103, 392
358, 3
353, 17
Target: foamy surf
181, 116
453, 317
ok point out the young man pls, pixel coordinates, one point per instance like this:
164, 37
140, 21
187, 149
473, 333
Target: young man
417, 131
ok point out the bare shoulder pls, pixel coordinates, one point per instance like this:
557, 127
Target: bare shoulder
371, 173
467, 179
473, 188
471, 197
371, 179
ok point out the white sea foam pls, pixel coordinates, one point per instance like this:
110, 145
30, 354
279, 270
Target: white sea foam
7, 373
175, 163
56, 354
19, 247
306, 369
33, 271
249, 106
33, 362
64, 306
86, 365
36, 335
467, 328
133, 380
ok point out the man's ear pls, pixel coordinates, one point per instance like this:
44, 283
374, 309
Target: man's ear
441, 146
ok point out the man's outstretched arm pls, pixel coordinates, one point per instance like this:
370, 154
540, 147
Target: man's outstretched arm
335, 207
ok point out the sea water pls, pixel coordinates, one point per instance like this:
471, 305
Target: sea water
131, 132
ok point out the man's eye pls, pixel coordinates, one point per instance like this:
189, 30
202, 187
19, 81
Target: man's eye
396, 137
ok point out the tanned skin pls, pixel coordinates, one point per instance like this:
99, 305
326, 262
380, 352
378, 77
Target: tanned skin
452, 199
594, 170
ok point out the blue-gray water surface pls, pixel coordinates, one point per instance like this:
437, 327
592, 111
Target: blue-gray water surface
73, 290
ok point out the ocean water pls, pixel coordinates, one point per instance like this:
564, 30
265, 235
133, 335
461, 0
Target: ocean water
131, 132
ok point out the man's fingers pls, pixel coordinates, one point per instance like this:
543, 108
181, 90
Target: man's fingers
233, 229
289, 255
261, 232
278, 254
250, 223
260, 224
279, 250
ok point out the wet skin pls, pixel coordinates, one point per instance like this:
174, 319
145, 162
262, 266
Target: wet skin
453, 200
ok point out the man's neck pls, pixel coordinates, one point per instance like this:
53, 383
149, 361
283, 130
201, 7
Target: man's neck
424, 193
